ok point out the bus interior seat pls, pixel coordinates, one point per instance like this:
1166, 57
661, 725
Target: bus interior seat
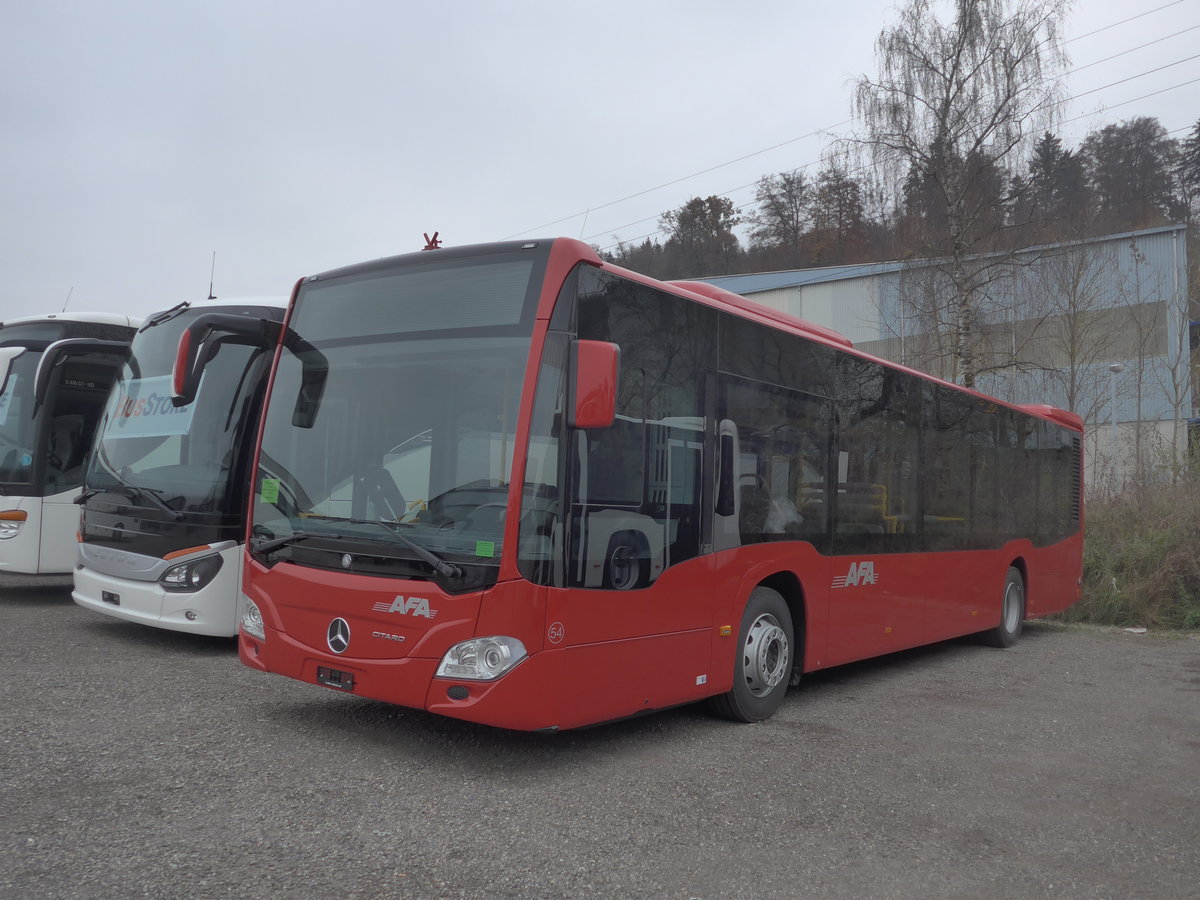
64, 449
755, 506
65, 434
862, 507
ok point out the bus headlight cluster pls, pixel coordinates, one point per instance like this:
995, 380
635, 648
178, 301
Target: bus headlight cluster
191, 576
482, 659
252, 620
10, 523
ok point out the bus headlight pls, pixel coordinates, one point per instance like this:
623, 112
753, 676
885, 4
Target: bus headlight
482, 659
252, 621
11, 521
191, 576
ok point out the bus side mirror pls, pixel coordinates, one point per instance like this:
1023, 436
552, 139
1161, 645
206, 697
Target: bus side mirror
7, 355
594, 367
202, 339
60, 351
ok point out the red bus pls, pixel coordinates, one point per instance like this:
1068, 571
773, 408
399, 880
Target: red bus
514, 484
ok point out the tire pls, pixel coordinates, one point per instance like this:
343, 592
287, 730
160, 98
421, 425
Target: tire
762, 667
1012, 612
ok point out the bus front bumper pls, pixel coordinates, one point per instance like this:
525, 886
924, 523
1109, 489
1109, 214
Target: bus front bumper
210, 611
523, 699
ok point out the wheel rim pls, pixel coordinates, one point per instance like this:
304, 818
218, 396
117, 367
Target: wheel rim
1012, 607
765, 655
623, 568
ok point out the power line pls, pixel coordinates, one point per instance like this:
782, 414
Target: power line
592, 209
1123, 21
1132, 49
819, 131
1135, 100
806, 165
650, 234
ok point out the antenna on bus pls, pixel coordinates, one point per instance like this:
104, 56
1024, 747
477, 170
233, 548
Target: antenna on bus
211, 273
68, 300
432, 243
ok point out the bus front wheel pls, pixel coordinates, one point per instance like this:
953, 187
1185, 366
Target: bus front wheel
1012, 612
762, 666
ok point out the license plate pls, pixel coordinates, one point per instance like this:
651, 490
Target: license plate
334, 678
110, 597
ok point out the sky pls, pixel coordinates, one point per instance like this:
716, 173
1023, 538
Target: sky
139, 138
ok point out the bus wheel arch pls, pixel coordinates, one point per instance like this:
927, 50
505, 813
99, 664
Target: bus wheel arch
769, 650
1014, 604
788, 586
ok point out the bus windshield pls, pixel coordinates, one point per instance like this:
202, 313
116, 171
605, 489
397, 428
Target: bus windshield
413, 434
179, 460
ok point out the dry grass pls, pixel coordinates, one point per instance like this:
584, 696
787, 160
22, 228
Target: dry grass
1141, 559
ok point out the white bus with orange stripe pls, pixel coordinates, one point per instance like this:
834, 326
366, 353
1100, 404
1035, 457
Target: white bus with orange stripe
164, 501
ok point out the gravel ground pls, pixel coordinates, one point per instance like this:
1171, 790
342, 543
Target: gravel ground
140, 763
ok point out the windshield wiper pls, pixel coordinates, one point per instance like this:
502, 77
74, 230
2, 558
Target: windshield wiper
264, 545
439, 565
164, 316
133, 492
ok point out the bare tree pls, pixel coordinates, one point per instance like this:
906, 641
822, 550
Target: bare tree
839, 218
951, 106
700, 237
783, 213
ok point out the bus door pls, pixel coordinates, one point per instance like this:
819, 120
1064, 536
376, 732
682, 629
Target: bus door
775, 461
76, 398
636, 615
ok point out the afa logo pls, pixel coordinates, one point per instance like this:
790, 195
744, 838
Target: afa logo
411, 606
860, 573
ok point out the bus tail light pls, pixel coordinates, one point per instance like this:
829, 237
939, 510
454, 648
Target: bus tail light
11, 521
482, 659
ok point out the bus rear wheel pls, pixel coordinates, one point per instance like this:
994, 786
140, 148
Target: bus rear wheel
1012, 612
762, 666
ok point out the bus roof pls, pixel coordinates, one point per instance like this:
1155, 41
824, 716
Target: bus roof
98, 317
709, 294
213, 304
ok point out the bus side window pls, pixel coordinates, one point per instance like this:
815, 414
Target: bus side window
782, 463
876, 489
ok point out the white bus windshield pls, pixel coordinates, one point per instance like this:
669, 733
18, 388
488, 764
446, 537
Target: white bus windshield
185, 456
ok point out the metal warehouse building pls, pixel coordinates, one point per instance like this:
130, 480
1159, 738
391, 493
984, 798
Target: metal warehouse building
1097, 326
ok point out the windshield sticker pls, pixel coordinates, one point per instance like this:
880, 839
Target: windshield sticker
7, 396
270, 490
485, 548
144, 409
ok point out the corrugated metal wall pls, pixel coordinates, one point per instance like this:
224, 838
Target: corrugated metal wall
1065, 315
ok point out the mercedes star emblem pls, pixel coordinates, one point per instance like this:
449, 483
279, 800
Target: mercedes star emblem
338, 635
